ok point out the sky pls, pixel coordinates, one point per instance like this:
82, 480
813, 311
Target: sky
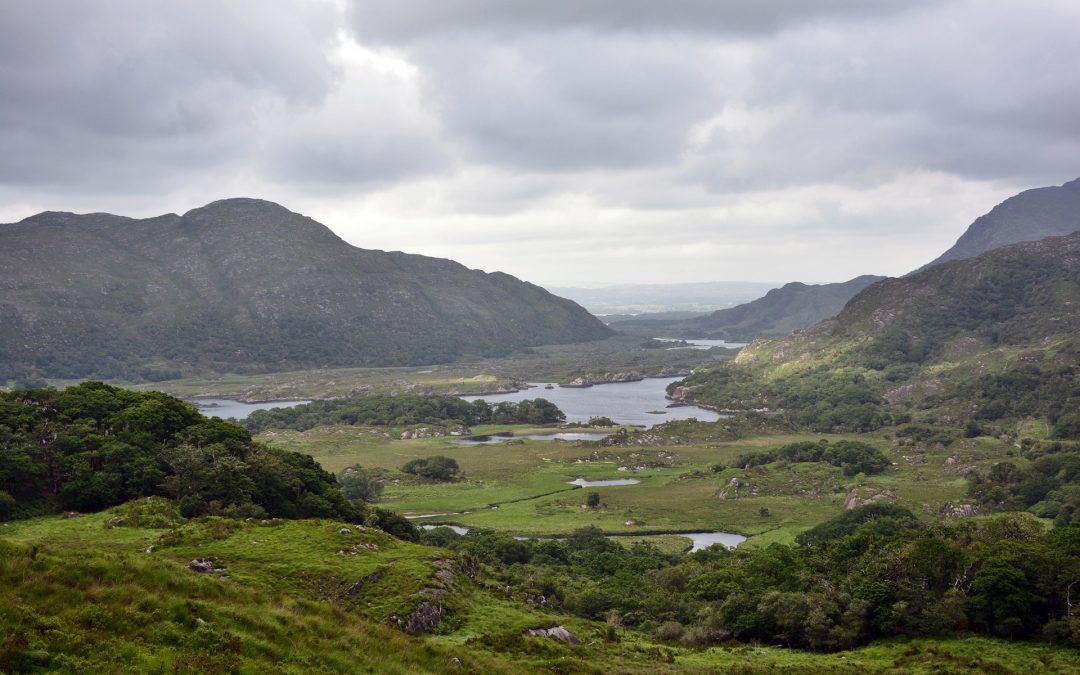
569, 143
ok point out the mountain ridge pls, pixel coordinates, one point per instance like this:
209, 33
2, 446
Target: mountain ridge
1026, 216
945, 338
793, 306
247, 285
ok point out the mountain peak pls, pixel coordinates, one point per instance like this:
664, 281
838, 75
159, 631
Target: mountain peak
1028, 216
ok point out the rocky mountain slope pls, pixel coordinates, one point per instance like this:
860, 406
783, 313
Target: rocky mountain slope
780, 311
1029, 216
245, 284
988, 337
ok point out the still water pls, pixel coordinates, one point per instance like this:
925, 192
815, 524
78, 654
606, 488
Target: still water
642, 403
704, 344
226, 408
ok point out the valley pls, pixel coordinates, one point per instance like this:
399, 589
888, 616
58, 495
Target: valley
892, 489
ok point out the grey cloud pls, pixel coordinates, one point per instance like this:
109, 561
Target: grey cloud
566, 101
96, 88
406, 20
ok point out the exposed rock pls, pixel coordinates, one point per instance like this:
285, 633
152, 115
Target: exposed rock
455, 662
538, 600
854, 501
204, 566
435, 432
369, 579
951, 511
950, 461
426, 616
557, 632
344, 530
732, 489
606, 378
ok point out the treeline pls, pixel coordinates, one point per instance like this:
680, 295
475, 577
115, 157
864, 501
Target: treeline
404, 410
876, 572
1048, 486
93, 446
852, 457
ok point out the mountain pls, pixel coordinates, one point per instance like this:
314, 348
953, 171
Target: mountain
986, 338
245, 284
1028, 216
780, 311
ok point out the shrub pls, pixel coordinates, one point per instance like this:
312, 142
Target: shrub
436, 467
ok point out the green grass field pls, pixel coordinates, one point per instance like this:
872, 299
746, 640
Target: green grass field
678, 489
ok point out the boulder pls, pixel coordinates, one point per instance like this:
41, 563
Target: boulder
426, 616
557, 632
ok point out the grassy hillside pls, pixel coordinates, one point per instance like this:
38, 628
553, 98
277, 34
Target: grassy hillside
990, 338
244, 284
79, 596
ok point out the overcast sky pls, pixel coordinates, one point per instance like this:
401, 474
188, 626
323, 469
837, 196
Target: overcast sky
565, 142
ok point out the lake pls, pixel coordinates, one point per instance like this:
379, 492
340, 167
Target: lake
643, 403
226, 408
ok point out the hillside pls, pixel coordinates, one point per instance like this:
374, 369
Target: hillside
1029, 216
247, 285
988, 338
780, 311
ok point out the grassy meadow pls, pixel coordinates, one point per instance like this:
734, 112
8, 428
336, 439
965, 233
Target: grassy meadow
679, 490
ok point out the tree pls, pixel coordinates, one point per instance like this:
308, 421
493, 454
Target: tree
358, 485
593, 500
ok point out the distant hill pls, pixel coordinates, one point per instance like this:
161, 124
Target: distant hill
986, 338
1028, 216
697, 298
782, 310
245, 284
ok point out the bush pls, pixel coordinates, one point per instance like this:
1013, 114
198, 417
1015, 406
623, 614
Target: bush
436, 467
7, 505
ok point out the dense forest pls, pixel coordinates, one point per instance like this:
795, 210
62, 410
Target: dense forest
404, 410
872, 572
93, 446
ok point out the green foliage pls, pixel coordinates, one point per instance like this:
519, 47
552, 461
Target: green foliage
93, 446
392, 523
1048, 486
358, 485
880, 519
436, 467
853, 457
404, 410
872, 572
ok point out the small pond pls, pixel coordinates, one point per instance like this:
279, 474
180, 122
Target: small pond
603, 483
554, 436
699, 540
